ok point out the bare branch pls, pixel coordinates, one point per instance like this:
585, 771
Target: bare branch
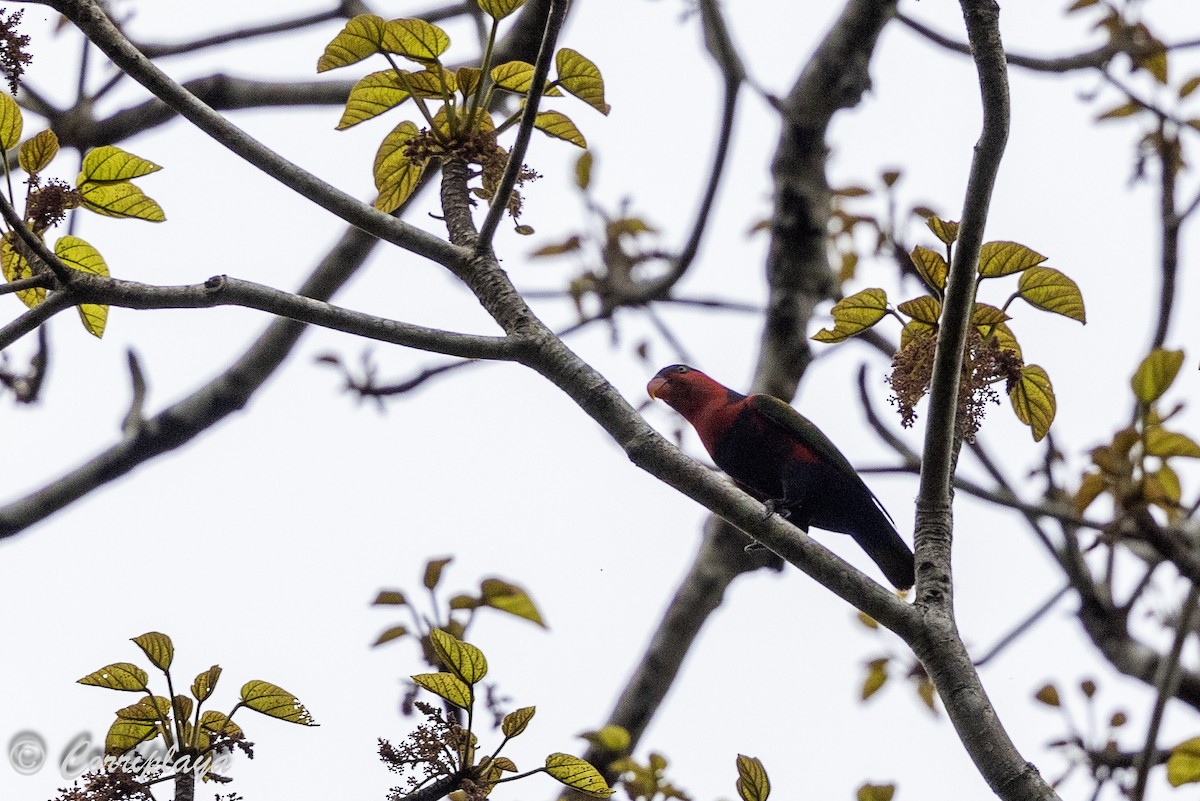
152, 50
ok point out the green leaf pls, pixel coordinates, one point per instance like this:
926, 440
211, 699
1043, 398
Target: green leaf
120, 199
924, 309
1155, 374
433, 571
515, 722
578, 775
1048, 289
124, 735
389, 598
1165, 444
361, 37
560, 127
499, 9
1117, 112
276, 702
217, 723
877, 676
985, 316
371, 96
463, 659
510, 598
153, 709
752, 783
580, 77
467, 79
111, 163
122, 676
205, 683
1189, 86
583, 170
157, 647
611, 738
513, 76
875, 792
15, 267
446, 685
10, 122
854, 314
1032, 399
1005, 338
930, 266
79, 255
431, 82
396, 176
37, 153
946, 231
1005, 258
1183, 766
415, 39
395, 632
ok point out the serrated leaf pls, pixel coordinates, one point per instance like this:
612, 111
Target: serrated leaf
986, 316
513, 76
217, 723
1155, 374
578, 775
10, 122
276, 702
38, 151
361, 37
157, 646
1183, 766
446, 685
111, 163
433, 571
854, 314
877, 676
371, 96
414, 39
1090, 488
752, 782
1005, 258
148, 709
1165, 444
559, 126
1048, 695
396, 176
206, 682
16, 267
123, 676
431, 82
1032, 399
944, 230
463, 659
395, 632
499, 9
875, 792
931, 266
124, 735
79, 255
924, 309
122, 200
515, 722
1189, 86
1117, 112
580, 77
510, 598
1048, 289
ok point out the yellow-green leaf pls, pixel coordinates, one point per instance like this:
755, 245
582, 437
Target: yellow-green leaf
499, 9
276, 702
1117, 112
124, 735
930, 266
10, 122
583, 170
924, 309
1165, 444
1053, 291
371, 96
120, 199
513, 76
152, 709
38, 151
1189, 86
578, 775
508, 597
1005, 338
752, 782
943, 229
1048, 695
206, 682
415, 39
986, 316
560, 127
1081, 4
515, 722
875, 792
1005, 258
15, 267
123, 676
464, 660
570, 244
1183, 766
1168, 479
395, 632
431, 82
446, 685
1090, 488
433, 571
111, 163
913, 329
580, 77
218, 723
877, 676
157, 647
1032, 398
1155, 63
611, 738
467, 79
182, 707
396, 176
854, 314
79, 255
1155, 374
389, 598
361, 37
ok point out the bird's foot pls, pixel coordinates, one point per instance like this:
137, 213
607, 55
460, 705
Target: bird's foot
788, 510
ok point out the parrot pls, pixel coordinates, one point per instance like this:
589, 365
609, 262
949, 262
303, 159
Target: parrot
781, 458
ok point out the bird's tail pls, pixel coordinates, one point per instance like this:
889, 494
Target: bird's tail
885, 547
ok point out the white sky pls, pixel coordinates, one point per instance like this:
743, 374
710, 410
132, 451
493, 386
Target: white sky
260, 545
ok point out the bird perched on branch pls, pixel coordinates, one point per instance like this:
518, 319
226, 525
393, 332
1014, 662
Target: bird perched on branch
777, 455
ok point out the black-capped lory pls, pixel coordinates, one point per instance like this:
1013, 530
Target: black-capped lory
777, 455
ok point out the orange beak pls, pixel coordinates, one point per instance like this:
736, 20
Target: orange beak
656, 386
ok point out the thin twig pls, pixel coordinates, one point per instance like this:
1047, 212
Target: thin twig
1024, 626
152, 50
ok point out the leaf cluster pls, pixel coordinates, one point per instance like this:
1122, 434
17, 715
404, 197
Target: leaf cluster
1085, 746
993, 352
104, 186
462, 125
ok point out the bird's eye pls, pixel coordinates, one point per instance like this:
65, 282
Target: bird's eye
681, 369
